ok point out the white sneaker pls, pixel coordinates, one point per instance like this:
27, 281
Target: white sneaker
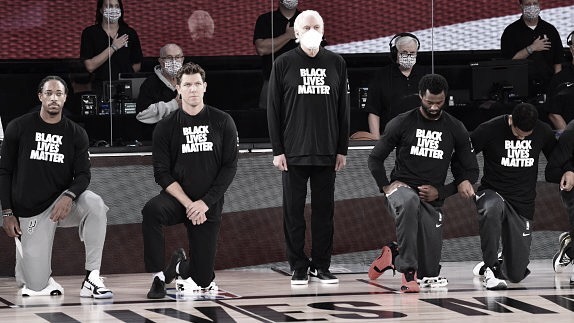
478, 270
94, 287
188, 286
491, 282
560, 259
53, 289
433, 282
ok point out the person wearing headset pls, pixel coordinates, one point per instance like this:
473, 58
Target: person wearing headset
394, 88
561, 93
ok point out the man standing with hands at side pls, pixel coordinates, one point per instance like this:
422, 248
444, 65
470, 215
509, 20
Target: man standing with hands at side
308, 117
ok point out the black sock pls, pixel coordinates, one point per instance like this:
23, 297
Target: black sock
88, 274
183, 269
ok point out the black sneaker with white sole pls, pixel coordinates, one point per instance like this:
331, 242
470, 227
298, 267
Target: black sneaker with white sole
323, 275
300, 277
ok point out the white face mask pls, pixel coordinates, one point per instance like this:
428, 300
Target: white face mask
407, 61
112, 14
290, 4
531, 12
311, 39
172, 66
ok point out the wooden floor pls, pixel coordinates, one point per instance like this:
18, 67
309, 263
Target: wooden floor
265, 295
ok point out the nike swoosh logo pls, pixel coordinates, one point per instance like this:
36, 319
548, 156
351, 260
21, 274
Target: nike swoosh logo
477, 197
525, 234
438, 225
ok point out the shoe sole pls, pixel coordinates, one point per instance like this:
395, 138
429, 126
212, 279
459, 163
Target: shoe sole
325, 281
299, 282
412, 289
385, 258
442, 283
500, 286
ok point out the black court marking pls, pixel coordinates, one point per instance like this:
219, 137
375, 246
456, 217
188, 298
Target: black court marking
128, 316
243, 311
8, 303
57, 317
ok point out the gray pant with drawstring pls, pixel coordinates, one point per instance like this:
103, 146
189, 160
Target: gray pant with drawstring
419, 232
34, 265
498, 220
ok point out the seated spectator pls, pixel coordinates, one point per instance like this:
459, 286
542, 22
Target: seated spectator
394, 88
158, 94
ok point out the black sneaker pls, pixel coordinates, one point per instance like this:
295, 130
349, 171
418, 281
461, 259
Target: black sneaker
157, 289
169, 271
300, 277
324, 276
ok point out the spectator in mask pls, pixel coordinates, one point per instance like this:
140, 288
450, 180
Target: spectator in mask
158, 95
394, 88
110, 46
273, 36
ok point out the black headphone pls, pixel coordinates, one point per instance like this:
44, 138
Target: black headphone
393, 44
569, 39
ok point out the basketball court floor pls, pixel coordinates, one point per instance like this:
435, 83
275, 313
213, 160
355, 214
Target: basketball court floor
264, 294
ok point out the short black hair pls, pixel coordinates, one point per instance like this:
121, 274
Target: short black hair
434, 83
190, 69
50, 78
524, 116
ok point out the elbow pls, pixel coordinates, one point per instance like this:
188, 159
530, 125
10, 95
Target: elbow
90, 67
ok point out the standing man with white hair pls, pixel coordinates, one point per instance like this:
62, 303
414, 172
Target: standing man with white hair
308, 117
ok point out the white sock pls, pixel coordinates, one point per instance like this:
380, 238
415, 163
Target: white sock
160, 275
177, 268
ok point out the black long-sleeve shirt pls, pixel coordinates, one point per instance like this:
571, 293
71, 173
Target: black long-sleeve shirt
40, 161
562, 158
424, 151
511, 164
198, 152
308, 112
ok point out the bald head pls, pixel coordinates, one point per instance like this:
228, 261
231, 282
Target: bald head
170, 49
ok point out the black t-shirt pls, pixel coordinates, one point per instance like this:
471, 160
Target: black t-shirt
518, 35
511, 164
95, 40
263, 31
392, 93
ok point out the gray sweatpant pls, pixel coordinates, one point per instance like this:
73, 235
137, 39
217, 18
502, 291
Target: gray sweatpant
498, 220
33, 266
419, 232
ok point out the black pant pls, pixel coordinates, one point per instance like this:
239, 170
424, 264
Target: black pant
322, 211
164, 210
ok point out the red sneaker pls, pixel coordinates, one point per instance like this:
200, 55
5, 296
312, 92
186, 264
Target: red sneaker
410, 284
385, 261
